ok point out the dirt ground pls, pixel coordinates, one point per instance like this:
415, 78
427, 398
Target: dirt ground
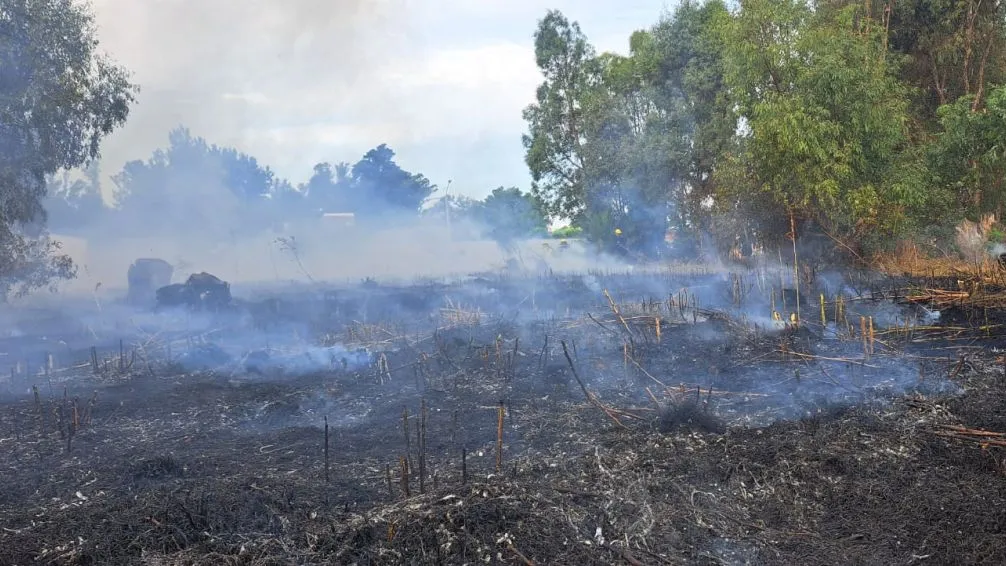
710, 441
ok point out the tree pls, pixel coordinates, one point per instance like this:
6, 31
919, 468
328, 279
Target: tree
329, 188
59, 97
381, 186
955, 48
191, 184
74, 204
827, 119
638, 127
509, 214
689, 79
968, 158
554, 144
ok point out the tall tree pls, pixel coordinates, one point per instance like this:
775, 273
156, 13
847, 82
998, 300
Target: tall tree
826, 115
968, 158
329, 188
641, 145
381, 186
508, 214
955, 48
192, 183
689, 78
74, 204
554, 143
58, 98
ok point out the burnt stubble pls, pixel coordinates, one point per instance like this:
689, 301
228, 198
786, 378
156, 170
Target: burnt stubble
709, 437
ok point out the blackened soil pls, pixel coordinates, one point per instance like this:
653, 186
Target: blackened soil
204, 468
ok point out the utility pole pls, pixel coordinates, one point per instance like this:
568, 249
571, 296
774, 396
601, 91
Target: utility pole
447, 206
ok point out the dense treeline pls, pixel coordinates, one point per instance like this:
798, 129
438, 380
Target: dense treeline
204, 187
868, 123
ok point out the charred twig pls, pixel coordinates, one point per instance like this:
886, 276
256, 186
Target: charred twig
602, 325
830, 359
38, 408
541, 355
653, 398
633, 361
524, 559
613, 414
618, 314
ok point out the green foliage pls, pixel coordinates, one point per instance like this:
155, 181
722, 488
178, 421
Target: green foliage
954, 48
192, 181
557, 120
380, 186
58, 98
868, 122
690, 76
826, 112
73, 205
509, 214
505, 215
969, 156
567, 232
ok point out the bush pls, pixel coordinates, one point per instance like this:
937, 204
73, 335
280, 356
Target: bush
567, 232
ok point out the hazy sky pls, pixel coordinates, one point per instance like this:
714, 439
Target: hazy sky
295, 82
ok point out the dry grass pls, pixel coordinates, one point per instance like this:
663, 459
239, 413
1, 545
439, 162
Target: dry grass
909, 260
971, 238
457, 315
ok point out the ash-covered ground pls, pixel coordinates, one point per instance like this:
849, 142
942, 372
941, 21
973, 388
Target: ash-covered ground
604, 418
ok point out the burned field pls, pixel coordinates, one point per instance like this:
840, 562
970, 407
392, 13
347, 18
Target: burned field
601, 419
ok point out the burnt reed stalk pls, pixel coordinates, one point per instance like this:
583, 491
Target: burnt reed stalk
38, 408
422, 446
327, 460
61, 416
405, 432
500, 413
403, 463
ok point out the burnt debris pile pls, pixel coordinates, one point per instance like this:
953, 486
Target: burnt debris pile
603, 418
145, 277
201, 291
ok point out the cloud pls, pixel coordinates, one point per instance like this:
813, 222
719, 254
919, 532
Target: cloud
226, 67
297, 82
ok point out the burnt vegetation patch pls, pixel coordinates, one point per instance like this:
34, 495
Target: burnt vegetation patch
158, 467
637, 431
690, 415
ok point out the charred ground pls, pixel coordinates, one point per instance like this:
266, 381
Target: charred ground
709, 437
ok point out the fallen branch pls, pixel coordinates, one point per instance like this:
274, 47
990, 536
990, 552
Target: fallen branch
613, 414
985, 438
618, 315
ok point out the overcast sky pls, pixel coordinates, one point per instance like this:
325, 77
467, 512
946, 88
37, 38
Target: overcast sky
296, 82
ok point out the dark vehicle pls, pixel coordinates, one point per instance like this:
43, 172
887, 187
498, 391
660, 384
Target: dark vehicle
201, 291
145, 276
